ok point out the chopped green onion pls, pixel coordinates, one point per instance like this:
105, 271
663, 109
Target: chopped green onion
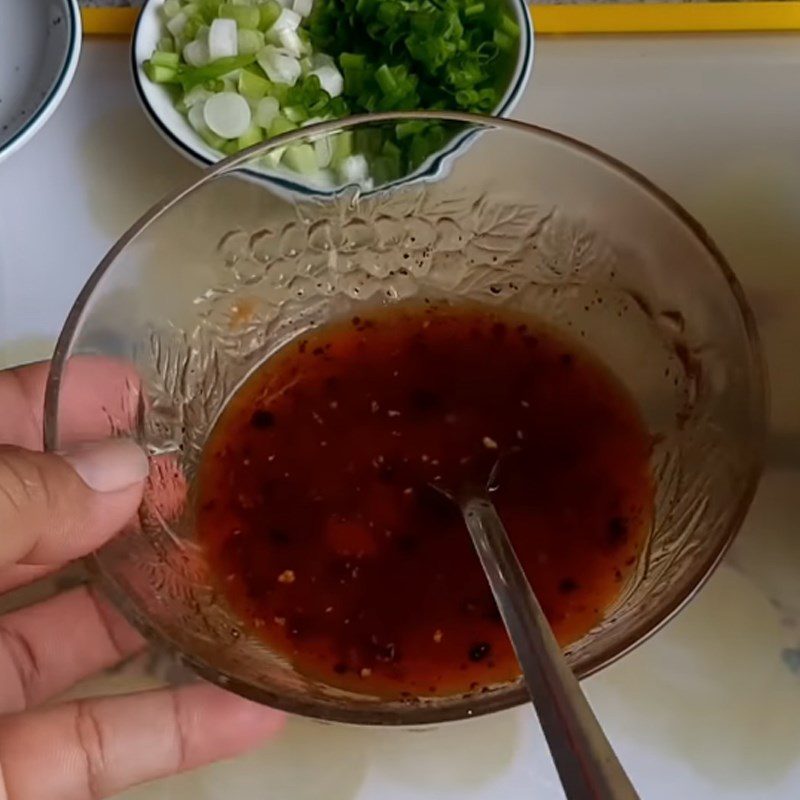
252, 86
162, 59
211, 139
210, 9
301, 158
503, 40
249, 41
303, 7
330, 79
279, 67
228, 115
214, 85
467, 98
385, 169
368, 140
391, 149
354, 169
273, 158
253, 135
295, 113
192, 98
252, 68
244, 16
486, 52
159, 74
171, 8
196, 53
192, 76
223, 40
177, 24
509, 26
404, 130
386, 79
268, 14
280, 91
352, 61
230, 147
342, 147
323, 151
266, 111
338, 107
280, 125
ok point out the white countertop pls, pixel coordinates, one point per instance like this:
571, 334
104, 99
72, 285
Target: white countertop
710, 707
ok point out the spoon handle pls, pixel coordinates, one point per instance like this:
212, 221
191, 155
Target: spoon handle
586, 763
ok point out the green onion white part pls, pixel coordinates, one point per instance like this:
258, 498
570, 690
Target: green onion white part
222, 39
267, 109
239, 107
196, 53
227, 114
303, 7
279, 65
288, 20
177, 24
330, 79
354, 169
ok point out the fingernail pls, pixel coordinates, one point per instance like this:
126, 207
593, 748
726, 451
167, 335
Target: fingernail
110, 465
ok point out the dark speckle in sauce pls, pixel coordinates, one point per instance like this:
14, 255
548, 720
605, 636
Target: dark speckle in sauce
478, 652
261, 420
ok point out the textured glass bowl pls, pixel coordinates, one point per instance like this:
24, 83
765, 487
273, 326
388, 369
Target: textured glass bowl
218, 276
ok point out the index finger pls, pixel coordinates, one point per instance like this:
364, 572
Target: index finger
97, 748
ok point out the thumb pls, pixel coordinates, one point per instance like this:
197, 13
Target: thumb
57, 507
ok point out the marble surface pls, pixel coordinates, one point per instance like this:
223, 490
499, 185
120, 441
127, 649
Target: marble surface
709, 707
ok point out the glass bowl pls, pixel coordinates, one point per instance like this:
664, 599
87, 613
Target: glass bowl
224, 272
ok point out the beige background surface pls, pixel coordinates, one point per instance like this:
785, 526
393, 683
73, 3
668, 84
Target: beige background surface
709, 709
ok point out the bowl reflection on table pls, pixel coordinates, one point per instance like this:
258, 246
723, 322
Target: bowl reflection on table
220, 275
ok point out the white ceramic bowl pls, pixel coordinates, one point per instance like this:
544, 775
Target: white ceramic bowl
175, 128
40, 41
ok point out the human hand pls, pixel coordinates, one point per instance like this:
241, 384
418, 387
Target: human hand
53, 509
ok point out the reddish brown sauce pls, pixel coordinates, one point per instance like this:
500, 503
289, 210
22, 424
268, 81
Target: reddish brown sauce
314, 500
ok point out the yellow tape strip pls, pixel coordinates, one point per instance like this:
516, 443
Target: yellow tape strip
778, 15
112, 21
769, 15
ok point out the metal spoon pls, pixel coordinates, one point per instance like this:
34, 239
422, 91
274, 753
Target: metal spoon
586, 763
